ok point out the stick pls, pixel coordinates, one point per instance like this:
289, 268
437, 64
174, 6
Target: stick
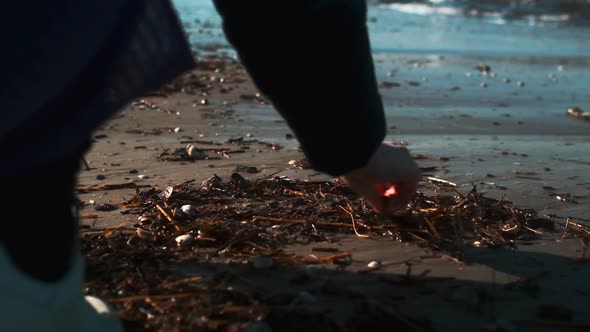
168, 217
431, 225
353, 223
154, 297
126, 185
433, 179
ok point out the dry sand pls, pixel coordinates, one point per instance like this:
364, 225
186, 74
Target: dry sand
496, 288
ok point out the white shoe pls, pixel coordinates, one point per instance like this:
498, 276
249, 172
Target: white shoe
29, 305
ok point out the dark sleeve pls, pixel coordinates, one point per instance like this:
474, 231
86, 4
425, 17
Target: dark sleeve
312, 59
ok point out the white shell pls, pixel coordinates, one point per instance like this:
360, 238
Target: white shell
194, 152
186, 208
262, 262
177, 129
185, 240
374, 265
293, 162
99, 306
143, 176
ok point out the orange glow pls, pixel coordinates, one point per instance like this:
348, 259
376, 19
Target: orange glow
390, 191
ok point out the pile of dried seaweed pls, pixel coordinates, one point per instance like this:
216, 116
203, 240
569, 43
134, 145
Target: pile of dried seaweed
250, 221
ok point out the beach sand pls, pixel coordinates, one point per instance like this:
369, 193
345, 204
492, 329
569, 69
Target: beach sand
528, 158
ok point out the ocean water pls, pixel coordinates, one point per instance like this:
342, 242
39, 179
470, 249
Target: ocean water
538, 52
501, 27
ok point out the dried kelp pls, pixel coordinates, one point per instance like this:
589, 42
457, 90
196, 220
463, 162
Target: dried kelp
250, 221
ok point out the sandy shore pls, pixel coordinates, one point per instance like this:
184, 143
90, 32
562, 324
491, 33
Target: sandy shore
495, 288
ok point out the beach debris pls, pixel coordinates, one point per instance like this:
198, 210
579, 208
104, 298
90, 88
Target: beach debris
143, 176
577, 113
300, 163
195, 153
565, 197
106, 207
113, 186
251, 222
187, 208
246, 169
185, 240
374, 265
441, 181
483, 68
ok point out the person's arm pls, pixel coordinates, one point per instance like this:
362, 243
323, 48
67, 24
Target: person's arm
312, 59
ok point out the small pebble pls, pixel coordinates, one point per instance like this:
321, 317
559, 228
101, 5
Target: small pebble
520, 83
185, 240
177, 129
100, 177
143, 176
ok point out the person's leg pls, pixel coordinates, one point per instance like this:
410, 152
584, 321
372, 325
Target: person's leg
40, 218
41, 269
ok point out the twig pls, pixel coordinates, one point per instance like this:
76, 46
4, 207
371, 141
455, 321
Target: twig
153, 297
432, 227
449, 183
168, 217
126, 185
353, 222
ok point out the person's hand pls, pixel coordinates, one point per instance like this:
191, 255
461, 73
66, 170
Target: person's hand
389, 165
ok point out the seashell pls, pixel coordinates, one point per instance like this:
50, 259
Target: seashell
177, 129
143, 234
374, 265
214, 182
143, 176
185, 240
144, 219
186, 208
195, 153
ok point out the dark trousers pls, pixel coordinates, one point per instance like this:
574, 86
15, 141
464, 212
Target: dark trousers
39, 218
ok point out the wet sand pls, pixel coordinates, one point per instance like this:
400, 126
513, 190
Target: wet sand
527, 158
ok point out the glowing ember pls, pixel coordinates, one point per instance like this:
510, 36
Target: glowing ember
390, 192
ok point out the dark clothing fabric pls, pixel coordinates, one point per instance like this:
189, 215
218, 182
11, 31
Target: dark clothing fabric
311, 59
314, 63
143, 48
40, 222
